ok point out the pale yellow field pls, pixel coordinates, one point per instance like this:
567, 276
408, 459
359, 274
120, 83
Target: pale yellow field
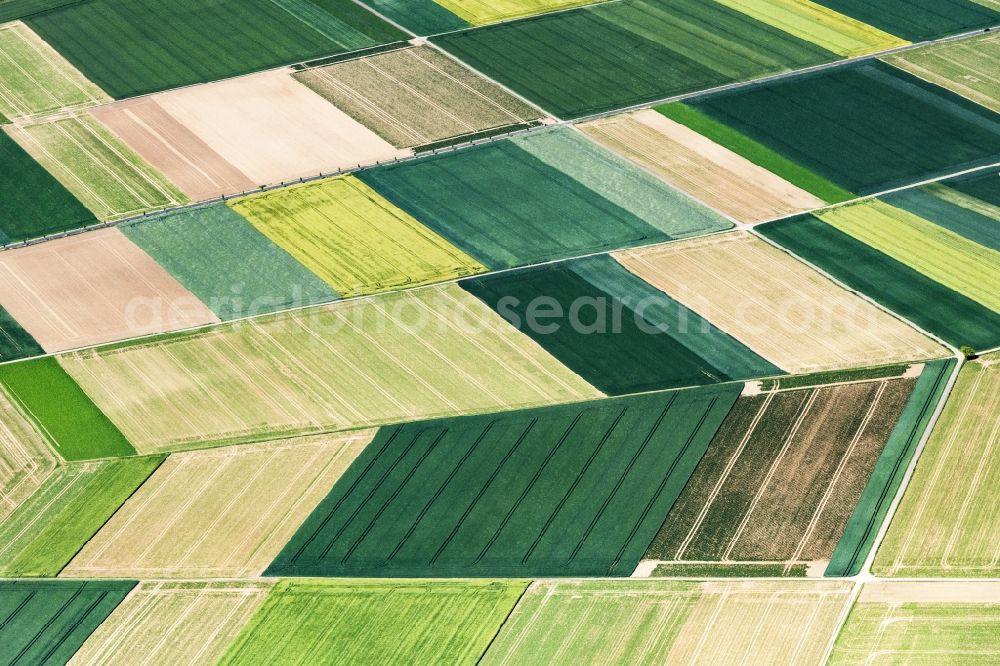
173, 623
779, 307
478, 12
26, 459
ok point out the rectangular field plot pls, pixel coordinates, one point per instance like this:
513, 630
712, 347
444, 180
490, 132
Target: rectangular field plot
934, 622
45, 622
375, 622
984, 186
670, 622
26, 459
416, 96
353, 238
15, 342
948, 521
706, 170
619, 54
96, 166
972, 219
173, 623
221, 513
918, 21
35, 79
780, 308
424, 17
132, 47
479, 12
568, 490
46, 531
93, 288
433, 352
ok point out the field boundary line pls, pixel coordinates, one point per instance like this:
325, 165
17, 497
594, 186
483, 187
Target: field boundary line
506, 619
845, 613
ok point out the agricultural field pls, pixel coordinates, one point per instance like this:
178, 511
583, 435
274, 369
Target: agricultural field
173, 623
984, 186
780, 308
948, 520
617, 54
933, 622
554, 491
15, 342
709, 172
47, 621
424, 17
919, 21
220, 513
547, 196
93, 288
397, 357
93, 164
111, 43
670, 622
44, 533
480, 12
626, 336
26, 459
353, 238
416, 96
376, 622
970, 218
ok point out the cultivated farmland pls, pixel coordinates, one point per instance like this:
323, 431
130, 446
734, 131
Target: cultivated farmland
95, 287
173, 623
221, 513
396, 357
26, 459
974, 220
15, 342
416, 96
983, 185
47, 621
775, 305
353, 238
917, 21
375, 622
478, 12
670, 622
568, 490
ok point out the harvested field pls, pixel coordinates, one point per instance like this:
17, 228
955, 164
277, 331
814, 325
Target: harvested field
26, 459
782, 477
929, 304
949, 519
47, 621
96, 166
15, 342
867, 127
93, 288
224, 261
173, 623
397, 357
613, 329
918, 21
967, 66
706, 170
556, 491
49, 528
376, 622
132, 47
778, 307
547, 196
353, 238
221, 513
618, 54
35, 79
974, 220
424, 17
670, 622
939, 253
416, 96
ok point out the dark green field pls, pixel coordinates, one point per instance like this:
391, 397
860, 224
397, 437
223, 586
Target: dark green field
15, 342
619, 54
424, 17
568, 490
46, 622
11, 10
917, 20
930, 305
866, 127
131, 47
604, 340
963, 221
984, 186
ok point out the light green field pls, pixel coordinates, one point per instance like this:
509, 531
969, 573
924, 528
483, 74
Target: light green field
436, 351
966, 66
478, 12
948, 520
96, 166
966, 201
375, 622
26, 459
670, 622
353, 238
940, 254
35, 79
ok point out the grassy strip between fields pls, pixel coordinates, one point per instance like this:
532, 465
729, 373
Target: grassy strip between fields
722, 570
834, 377
465, 138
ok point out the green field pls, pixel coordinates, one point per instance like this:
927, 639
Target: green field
922, 19
230, 266
424, 17
131, 47
955, 211
569, 490
15, 342
983, 185
45, 622
48, 529
375, 622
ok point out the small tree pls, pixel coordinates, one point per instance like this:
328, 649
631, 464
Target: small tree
968, 352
